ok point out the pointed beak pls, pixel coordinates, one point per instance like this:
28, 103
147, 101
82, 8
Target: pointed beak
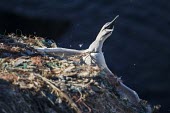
111, 24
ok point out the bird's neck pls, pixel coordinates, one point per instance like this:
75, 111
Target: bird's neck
97, 45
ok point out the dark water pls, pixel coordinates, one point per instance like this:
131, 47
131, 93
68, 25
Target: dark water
138, 50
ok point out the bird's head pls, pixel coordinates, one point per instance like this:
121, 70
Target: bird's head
107, 29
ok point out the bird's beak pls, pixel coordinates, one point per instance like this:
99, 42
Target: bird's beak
111, 24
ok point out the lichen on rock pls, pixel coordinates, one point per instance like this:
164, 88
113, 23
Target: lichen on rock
38, 77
